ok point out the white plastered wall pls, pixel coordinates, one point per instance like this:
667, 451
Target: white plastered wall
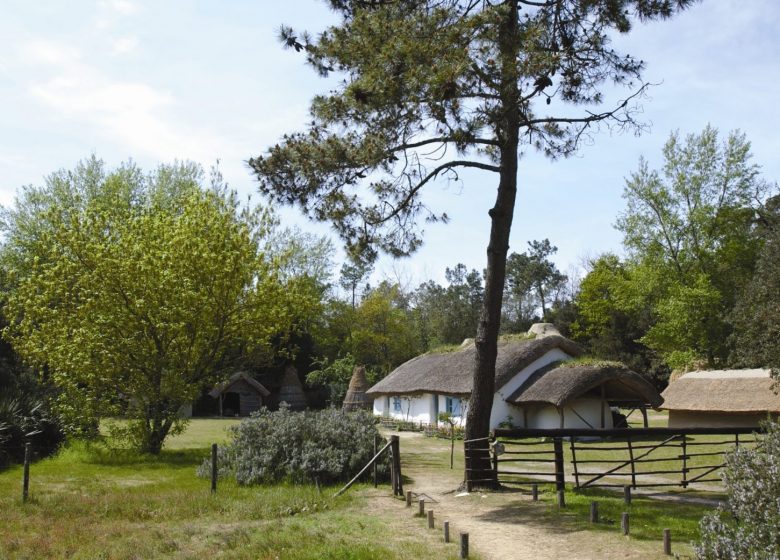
589, 410
502, 410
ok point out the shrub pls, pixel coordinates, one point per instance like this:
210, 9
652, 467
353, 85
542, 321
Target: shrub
24, 420
749, 526
324, 446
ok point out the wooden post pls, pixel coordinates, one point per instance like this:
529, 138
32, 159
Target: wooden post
408, 498
430, 519
398, 489
213, 467
464, 545
535, 492
624, 523
667, 542
376, 479
594, 512
421, 511
560, 482
446, 531
627, 495
26, 474
644, 416
684, 483
561, 499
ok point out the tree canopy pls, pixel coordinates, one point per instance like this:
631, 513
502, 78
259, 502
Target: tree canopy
135, 291
429, 88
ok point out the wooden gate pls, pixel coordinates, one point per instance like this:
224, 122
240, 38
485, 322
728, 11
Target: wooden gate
636, 457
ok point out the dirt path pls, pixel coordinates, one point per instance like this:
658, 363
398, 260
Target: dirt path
500, 525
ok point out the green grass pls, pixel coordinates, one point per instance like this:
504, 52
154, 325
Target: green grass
92, 502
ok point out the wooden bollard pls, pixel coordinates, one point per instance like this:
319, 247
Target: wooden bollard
376, 478
213, 467
26, 474
421, 503
535, 492
408, 498
446, 531
594, 512
624, 523
667, 542
430, 519
561, 499
464, 545
627, 495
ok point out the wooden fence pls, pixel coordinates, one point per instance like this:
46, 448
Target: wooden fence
635, 457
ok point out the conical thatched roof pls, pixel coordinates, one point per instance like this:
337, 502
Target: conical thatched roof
291, 391
558, 384
451, 373
356, 398
747, 390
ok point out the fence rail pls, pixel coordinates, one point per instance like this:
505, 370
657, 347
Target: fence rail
635, 457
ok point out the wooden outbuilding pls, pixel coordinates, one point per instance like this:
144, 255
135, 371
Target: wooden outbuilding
722, 398
240, 395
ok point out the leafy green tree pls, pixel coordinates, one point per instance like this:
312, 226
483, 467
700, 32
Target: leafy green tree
431, 87
610, 321
135, 291
690, 233
533, 283
352, 275
448, 315
756, 316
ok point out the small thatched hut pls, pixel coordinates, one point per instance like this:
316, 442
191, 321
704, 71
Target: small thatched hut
731, 398
525, 397
356, 398
581, 395
291, 391
240, 395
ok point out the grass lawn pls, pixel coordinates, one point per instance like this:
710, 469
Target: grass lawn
89, 502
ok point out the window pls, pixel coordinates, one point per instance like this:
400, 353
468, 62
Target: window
396, 404
453, 406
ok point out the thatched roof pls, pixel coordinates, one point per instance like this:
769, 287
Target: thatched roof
450, 373
723, 391
356, 398
557, 384
291, 391
240, 376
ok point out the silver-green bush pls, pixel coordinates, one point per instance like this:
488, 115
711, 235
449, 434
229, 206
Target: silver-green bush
323, 446
748, 528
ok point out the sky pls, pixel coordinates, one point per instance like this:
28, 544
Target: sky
208, 81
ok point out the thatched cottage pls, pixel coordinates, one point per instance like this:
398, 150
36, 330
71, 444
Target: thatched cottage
732, 398
535, 388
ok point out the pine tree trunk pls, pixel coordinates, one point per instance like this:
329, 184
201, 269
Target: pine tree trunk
479, 469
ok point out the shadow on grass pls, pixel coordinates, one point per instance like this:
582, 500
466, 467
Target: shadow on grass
98, 454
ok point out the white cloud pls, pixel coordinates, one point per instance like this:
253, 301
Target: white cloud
135, 115
124, 45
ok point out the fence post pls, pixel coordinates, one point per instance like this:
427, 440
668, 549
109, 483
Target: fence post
667, 542
535, 492
594, 512
560, 482
627, 495
376, 480
398, 488
421, 511
213, 467
446, 531
685, 461
26, 474
430, 519
464, 545
624, 523
561, 499
467, 463
408, 498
